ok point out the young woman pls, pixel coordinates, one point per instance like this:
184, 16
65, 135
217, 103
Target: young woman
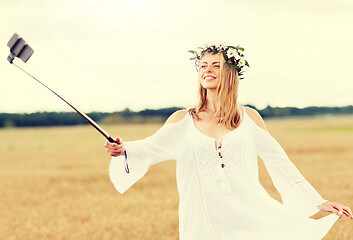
216, 145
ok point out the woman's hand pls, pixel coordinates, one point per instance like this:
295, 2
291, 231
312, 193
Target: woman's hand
115, 149
337, 208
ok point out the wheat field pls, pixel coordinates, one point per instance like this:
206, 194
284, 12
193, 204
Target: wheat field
54, 182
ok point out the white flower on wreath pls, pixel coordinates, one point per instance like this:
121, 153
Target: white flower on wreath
241, 62
233, 53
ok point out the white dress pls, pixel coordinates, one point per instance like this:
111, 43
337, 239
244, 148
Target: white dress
228, 203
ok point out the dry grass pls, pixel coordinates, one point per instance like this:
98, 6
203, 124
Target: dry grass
54, 182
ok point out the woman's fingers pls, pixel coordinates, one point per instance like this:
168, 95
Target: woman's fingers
347, 211
115, 153
334, 210
110, 145
341, 209
338, 208
115, 149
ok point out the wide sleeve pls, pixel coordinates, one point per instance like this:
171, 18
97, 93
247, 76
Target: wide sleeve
296, 192
141, 154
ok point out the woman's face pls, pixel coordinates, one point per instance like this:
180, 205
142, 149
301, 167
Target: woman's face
209, 70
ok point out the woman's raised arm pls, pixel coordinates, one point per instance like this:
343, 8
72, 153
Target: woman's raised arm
163, 145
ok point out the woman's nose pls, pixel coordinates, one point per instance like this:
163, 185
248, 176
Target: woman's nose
209, 68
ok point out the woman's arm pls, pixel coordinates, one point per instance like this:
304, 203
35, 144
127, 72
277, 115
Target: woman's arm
297, 193
141, 154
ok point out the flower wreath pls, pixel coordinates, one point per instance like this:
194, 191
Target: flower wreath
234, 54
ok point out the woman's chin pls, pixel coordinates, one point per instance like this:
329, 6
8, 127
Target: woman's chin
209, 86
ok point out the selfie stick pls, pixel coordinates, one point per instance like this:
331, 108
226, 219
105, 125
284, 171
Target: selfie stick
19, 48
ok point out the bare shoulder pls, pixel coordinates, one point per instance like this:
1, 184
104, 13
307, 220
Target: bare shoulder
256, 117
177, 116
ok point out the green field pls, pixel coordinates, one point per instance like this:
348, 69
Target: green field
54, 182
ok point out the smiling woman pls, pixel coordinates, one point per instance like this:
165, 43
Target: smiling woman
216, 145
219, 88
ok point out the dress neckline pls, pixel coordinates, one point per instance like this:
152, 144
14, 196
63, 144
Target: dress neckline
225, 135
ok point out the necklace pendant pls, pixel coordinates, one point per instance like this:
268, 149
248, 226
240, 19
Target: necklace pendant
222, 165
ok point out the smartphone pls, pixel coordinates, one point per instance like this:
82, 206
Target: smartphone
19, 48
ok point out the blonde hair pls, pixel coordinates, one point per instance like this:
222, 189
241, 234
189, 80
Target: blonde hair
227, 112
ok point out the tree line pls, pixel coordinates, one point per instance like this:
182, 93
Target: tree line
127, 116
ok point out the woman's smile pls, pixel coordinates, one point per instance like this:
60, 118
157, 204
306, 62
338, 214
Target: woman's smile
209, 78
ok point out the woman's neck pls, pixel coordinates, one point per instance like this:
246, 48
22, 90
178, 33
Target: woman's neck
211, 101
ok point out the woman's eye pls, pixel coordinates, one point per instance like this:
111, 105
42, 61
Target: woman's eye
217, 66
204, 66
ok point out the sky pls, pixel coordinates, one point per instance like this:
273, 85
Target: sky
108, 55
